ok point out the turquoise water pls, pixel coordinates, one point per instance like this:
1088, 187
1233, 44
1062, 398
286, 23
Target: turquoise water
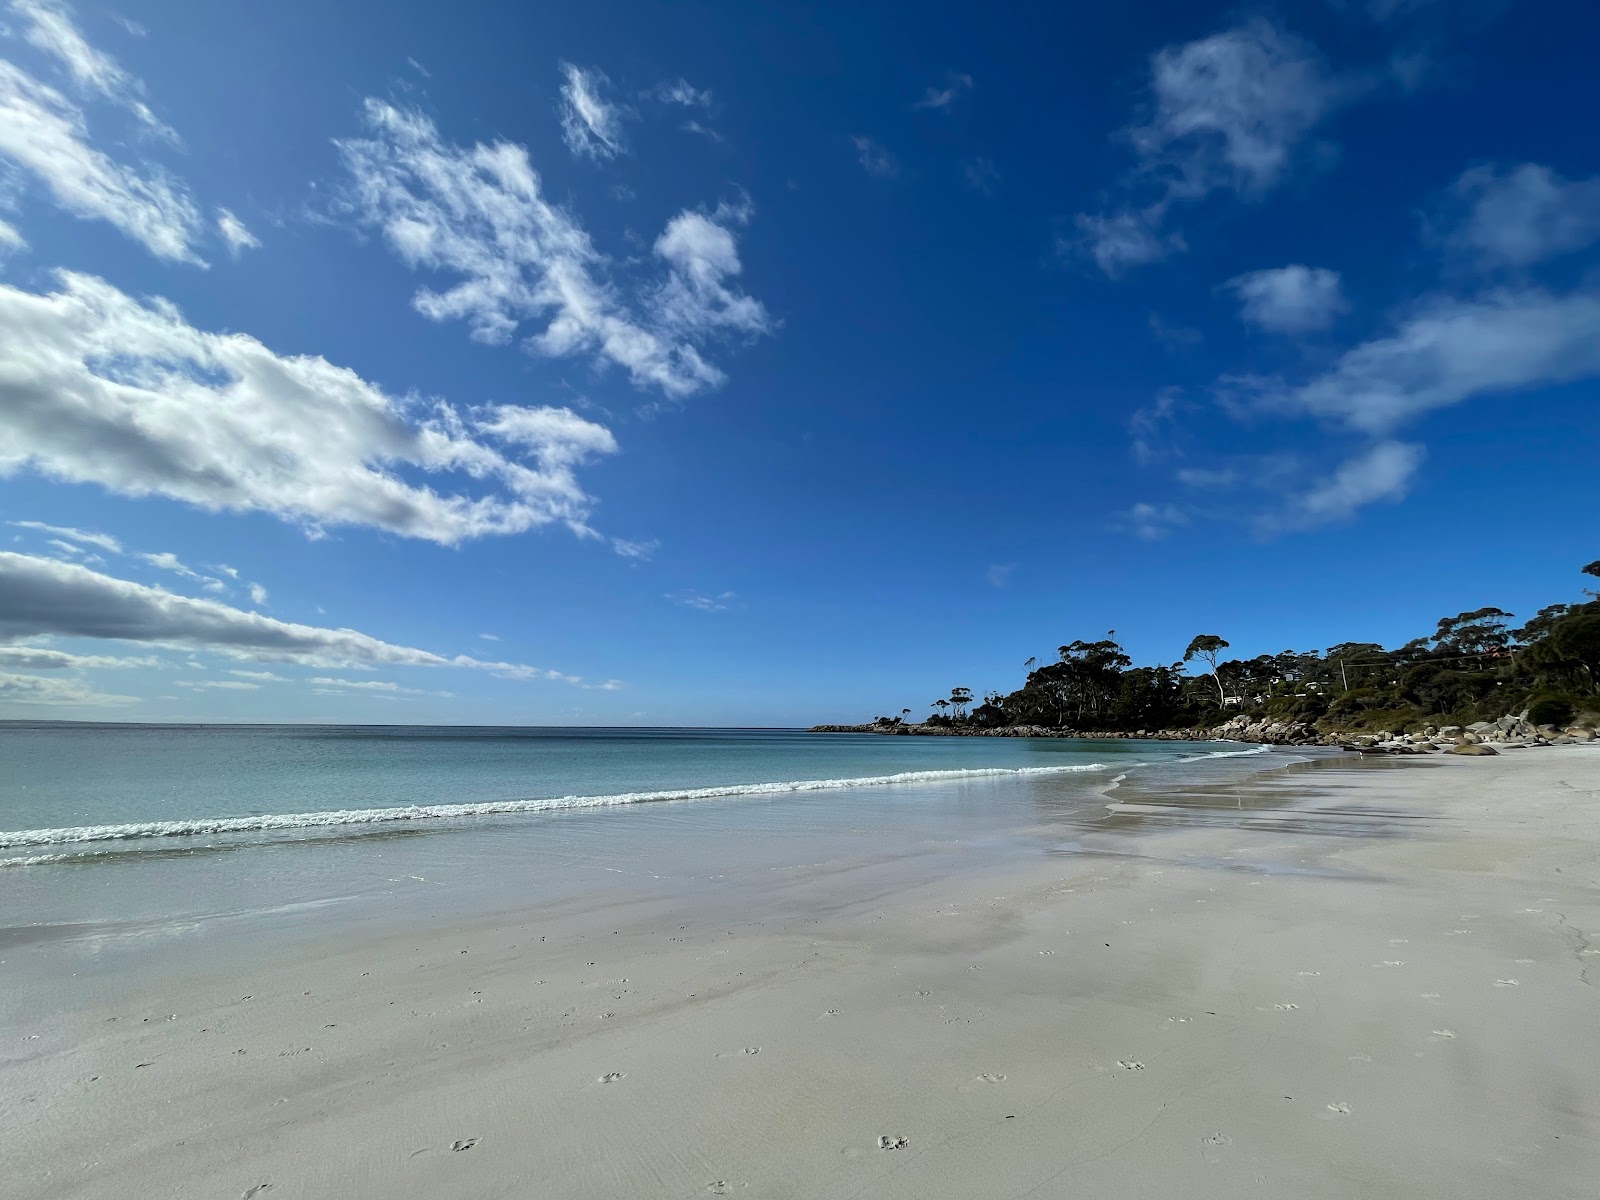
73, 785
119, 833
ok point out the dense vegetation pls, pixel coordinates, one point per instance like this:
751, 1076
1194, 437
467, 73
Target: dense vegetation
1474, 666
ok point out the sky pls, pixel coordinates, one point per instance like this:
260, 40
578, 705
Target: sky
773, 363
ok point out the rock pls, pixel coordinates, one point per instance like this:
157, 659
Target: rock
1581, 735
1480, 726
1468, 739
1475, 750
1450, 731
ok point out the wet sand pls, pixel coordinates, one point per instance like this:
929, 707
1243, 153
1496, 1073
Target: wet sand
1373, 979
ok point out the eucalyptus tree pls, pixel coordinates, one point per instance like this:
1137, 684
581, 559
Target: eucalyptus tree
1206, 647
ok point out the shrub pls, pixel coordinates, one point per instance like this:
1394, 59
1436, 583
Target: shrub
1549, 709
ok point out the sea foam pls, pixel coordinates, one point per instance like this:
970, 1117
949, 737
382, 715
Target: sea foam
202, 826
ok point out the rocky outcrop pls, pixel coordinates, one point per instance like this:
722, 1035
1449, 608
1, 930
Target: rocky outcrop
1508, 732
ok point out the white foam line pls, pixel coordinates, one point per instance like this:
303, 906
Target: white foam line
431, 812
1227, 754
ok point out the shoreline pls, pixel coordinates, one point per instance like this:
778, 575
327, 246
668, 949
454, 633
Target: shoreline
1255, 988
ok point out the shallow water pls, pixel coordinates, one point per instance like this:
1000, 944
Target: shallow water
121, 838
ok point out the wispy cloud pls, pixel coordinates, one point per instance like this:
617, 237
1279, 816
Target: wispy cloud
875, 160
46, 134
1151, 522
1448, 350
478, 213
1515, 218
1228, 112
40, 597
721, 602
49, 27
1292, 299
235, 233
103, 541
592, 124
1383, 472
942, 98
999, 574
40, 689
682, 92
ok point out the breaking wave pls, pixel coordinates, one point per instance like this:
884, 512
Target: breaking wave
203, 826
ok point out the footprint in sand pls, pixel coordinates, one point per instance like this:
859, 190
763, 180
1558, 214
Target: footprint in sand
463, 1144
888, 1142
1214, 1147
1308, 973
748, 1050
1440, 1035
992, 1077
722, 1187
1506, 983
250, 1193
1131, 1064
1047, 952
1286, 1007
1340, 1109
613, 1076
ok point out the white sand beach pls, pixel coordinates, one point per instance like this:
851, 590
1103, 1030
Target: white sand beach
1359, 979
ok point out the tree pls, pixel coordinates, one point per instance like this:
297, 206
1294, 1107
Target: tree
959, 699
904, 713
1479, 634
1206, 647
941, 705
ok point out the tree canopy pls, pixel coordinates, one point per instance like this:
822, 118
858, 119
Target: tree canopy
1474, 665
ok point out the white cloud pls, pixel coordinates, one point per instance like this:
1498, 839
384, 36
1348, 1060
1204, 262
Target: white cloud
235, 233
45, 133
1451, 350
38, 689
478, 213
168, 561
1292, 299
96, 387
943, 98
704, 256
490, 637
373, 685
684, 93
1229, 111
1121, 240
10, 239
1152, 522
875, 160
640, 550
50, 29
260, 676
39, 658
218, 685
1522, 216
591, 124
999, 574
1381, 473
40, 597
721, 602
103, 541
258, 594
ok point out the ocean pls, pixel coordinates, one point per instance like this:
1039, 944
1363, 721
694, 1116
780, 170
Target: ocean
115, 834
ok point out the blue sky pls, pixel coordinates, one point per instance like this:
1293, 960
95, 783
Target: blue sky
769, 363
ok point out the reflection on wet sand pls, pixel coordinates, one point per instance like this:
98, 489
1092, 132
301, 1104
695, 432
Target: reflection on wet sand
1304, 797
